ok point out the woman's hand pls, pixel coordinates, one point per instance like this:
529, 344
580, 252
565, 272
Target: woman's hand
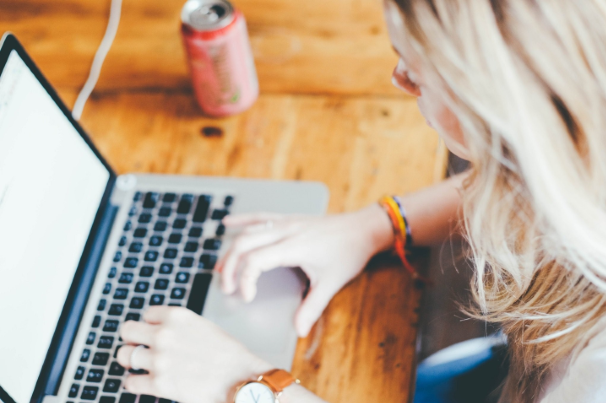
330, 250
189, 359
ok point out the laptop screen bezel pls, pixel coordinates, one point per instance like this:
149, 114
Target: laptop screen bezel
8, 44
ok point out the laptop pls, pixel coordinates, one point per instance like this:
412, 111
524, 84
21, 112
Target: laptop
82, 250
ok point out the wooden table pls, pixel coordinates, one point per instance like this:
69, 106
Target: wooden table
327, 112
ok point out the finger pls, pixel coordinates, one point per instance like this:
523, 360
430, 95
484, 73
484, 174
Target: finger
137, 332
260, 260
240, 220
142, 359
157, 314
140, 385
312, 307
242, 245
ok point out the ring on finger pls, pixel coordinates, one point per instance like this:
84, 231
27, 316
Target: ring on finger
133, 355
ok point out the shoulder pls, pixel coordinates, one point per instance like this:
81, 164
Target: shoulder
581, 377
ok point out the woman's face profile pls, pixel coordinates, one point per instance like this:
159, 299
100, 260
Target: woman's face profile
408, 77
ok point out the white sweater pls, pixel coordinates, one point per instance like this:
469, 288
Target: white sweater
581, 378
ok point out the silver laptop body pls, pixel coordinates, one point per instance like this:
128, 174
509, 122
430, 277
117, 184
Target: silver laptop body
153, 239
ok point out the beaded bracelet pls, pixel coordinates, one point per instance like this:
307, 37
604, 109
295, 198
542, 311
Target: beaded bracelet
402, 234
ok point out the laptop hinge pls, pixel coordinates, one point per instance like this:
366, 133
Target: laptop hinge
78, 303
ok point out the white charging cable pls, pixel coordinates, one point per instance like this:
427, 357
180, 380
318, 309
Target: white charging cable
95, 70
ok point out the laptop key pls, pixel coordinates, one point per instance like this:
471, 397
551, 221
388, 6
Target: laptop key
73, 391
147, 399
166, 268
179, 223
156, 299
107, 288
128, 226
191, 247
127, 398
169, 197
116, 309
150, 200
141, 286
96, 322
161, 284
116, 351
131, 262
112, 272
79, 373
137, 196
90, 339
177, 293
212, 244
220, 230
125, 278
160, 226
102, 304
121, 293
85, 355
155, 240
170, 253
111, 326
89, 393
140, 232
105, 342
145, 218
202, 208
118, 256
112, 385
199, 289
137, 303
208, 261
185, 204
182, 278
228, 201
107, 399
95, 375
135, 247
195, 232
133, 316
100, 359
186, 262
133, 211
165, 211
146, 271
151, 256
174, 238
116, 369
219, 214
122, 241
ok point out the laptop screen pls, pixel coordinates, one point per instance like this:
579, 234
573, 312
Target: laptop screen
51, 187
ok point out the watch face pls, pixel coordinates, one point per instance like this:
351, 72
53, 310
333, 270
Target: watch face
255, 392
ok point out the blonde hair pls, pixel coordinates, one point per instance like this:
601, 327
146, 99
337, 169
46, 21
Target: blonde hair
527, 81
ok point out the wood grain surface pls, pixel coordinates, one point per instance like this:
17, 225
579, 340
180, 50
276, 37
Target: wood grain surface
327, 112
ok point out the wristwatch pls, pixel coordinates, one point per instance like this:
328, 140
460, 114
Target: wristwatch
266, 389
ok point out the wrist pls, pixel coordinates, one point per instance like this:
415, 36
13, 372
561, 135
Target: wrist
378, 227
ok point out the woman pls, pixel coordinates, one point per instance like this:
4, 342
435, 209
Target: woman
518, 88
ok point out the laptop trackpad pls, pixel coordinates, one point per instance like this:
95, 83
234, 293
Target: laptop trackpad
266, 325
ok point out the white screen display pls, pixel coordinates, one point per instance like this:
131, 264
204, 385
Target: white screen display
51, 186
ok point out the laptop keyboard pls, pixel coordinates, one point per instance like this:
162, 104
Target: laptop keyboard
165, 256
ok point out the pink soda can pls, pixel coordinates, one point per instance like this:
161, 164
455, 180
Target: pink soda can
220, 58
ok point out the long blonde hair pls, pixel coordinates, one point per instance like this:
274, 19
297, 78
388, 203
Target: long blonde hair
527, 81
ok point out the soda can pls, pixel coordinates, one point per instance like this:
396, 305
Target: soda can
220, 58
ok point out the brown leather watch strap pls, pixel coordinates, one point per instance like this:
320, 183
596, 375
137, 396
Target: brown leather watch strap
278, 379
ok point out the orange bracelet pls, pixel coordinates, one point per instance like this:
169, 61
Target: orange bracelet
401, 234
